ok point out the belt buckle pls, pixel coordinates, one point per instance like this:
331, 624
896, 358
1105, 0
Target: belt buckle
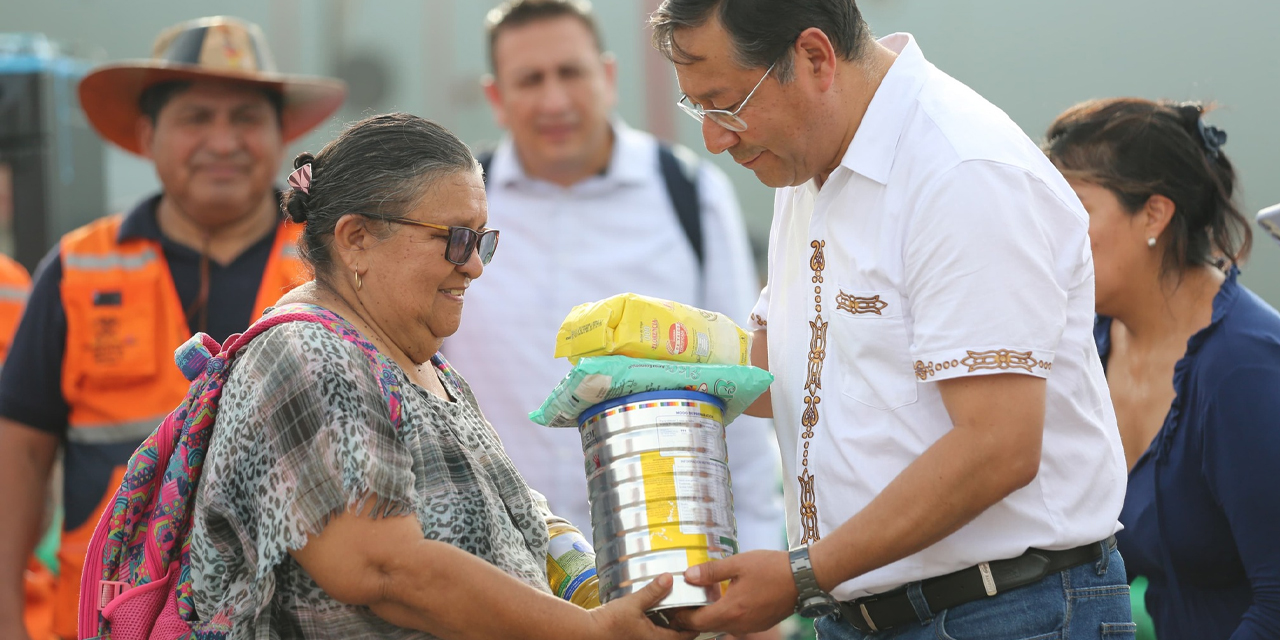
988, 580
866, 617
854, 609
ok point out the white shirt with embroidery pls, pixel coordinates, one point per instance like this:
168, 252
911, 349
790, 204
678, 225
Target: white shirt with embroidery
944, 245
560, 247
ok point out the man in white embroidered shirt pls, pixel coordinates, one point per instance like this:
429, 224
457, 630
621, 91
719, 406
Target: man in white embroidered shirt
587, 208
951, 459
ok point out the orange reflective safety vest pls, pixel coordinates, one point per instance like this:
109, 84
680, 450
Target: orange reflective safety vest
15, 285
124, 320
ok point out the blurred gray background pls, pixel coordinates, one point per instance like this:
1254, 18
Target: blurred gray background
1033, 58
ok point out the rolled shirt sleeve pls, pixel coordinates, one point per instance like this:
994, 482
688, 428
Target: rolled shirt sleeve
985, 288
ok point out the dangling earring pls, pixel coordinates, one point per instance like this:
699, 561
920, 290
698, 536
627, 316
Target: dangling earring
1151, 242
359, 283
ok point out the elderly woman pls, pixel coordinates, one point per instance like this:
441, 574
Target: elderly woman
315, 517
1192, 359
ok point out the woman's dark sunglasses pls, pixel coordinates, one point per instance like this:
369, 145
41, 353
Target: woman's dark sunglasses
462, 241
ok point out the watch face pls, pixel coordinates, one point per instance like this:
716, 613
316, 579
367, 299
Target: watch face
818, 607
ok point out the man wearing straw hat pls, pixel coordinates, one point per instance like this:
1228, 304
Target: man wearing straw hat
92, 365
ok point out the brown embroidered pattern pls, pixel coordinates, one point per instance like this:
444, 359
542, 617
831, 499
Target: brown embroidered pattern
808, 506
758, 320
923, 370
1001, 359
858, 305
812, 385
998, 359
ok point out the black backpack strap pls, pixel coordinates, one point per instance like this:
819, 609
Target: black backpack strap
679, 167
485, 158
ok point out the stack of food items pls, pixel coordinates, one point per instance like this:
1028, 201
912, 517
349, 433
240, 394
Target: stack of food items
653, 385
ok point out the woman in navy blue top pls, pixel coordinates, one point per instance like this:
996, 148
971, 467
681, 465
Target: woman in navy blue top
1192, 359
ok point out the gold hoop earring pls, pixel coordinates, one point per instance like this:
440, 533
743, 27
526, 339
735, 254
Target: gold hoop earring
359, 282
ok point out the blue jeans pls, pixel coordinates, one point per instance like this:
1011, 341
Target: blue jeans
1089, 601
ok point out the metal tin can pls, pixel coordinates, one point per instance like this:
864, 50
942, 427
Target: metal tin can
571, 565
660, 491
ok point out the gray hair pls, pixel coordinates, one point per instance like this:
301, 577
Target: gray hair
380, 167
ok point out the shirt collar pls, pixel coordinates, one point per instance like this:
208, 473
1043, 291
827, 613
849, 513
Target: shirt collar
142, 223
875, 144
623, 169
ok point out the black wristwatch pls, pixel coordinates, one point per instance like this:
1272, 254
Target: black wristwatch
811, 600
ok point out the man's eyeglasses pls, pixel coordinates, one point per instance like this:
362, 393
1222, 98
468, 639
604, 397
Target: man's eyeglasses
462, 241
723, 117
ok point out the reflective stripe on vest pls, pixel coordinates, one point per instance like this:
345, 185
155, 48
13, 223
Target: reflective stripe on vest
134, 431
13, 293
109, 261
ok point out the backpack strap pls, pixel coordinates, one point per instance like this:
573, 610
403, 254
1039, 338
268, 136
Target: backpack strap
195, 356
679, 166
450, 374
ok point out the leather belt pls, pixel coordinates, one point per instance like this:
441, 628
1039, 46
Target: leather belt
893, 608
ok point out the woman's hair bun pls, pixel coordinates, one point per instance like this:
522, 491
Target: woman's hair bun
296, 199
1190, 114
303, 159
295, 205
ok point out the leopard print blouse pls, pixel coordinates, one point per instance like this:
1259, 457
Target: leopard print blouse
304, 433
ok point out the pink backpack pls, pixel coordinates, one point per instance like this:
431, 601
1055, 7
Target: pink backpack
137, 576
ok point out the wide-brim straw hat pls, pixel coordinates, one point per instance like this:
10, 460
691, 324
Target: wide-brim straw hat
217, 48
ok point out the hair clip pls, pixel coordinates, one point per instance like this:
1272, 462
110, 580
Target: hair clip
1212, 138
300, 179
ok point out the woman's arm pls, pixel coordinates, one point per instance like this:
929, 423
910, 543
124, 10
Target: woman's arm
386, 565
1241, 450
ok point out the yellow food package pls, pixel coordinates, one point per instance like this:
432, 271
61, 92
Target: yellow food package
641, 327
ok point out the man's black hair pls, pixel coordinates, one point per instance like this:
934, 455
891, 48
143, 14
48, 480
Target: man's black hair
762, 31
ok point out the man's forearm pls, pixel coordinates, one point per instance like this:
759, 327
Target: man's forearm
963, 474
26, 457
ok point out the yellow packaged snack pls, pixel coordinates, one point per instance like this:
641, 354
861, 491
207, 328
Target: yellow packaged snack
642, 327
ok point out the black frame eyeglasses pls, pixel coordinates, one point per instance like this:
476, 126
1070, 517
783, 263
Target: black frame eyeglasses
462, 241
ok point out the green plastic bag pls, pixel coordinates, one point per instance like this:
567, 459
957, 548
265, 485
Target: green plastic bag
595, 380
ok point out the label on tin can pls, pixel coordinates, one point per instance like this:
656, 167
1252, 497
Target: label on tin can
664, 487
676, 440
573, 556
571, 566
